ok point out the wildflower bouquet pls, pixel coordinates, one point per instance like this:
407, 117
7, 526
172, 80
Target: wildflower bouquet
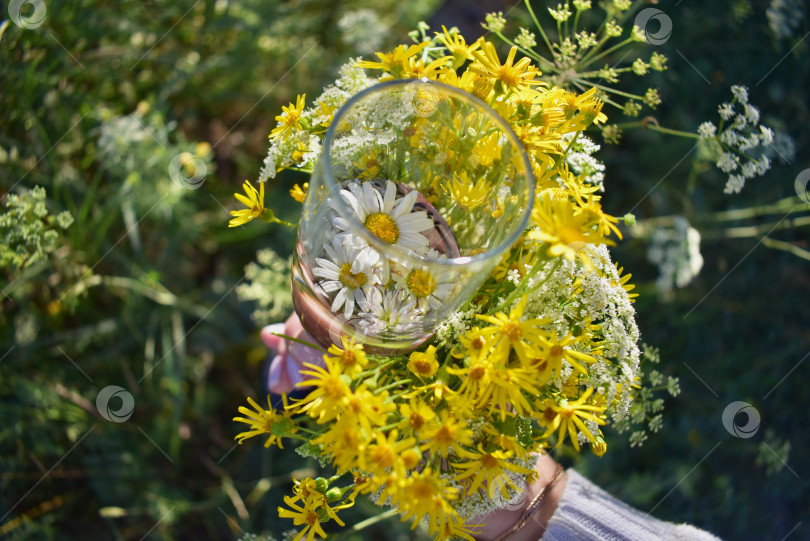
453, 267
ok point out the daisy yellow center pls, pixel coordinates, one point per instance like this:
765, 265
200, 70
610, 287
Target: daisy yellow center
488, 461
512, 331
549, 414
352, 281
478, 343
556, 351
421, 283
383, 227
416, 421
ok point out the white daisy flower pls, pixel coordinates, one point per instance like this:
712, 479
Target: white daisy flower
430, 290
387, 312
390, 219
342, 273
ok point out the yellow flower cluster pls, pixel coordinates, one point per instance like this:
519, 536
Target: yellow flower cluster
399, 425
464, 417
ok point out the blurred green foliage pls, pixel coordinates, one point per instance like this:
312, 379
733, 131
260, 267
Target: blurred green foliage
100, 108
102, 105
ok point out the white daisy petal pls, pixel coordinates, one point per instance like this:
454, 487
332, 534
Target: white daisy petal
340, 298
346, 273
348, 306
390, 196
416, 221
404, 205
331, 286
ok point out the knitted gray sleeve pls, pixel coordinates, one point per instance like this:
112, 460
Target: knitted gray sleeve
588, 513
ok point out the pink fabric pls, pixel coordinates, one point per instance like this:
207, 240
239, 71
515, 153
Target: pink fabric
285, 369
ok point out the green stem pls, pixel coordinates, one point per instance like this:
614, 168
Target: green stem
376, 368
650, 126
670, 131
362, 525
392, 385
614, 91
585, 63
521, 289
543, 62
573, 140
539, 27
299, 341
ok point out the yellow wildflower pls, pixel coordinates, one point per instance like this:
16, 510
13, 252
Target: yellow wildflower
451, 432
555, 350
304, 489
395, 61
474, 378
424, 363
510, 333
509, 75
475, 345
467, 194
505, 392
266, 421
465, 82
254, 203
366, 408
565, 232
568, 418
488, 467
417, 415
369, 164
624, 281
457, 46
416, 69
425, 494
306, 516
342, 440
352, 358
384, 452
299, 193
290, 119
325, 401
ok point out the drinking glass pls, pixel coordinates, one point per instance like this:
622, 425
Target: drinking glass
419, 191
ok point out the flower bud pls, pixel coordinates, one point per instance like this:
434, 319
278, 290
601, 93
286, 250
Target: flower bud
321, 485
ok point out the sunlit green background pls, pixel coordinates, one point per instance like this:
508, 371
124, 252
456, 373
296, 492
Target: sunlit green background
143, 289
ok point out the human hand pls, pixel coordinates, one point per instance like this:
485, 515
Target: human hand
499, 522
285, 368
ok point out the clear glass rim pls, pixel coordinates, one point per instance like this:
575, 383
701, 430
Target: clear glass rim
391, 251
